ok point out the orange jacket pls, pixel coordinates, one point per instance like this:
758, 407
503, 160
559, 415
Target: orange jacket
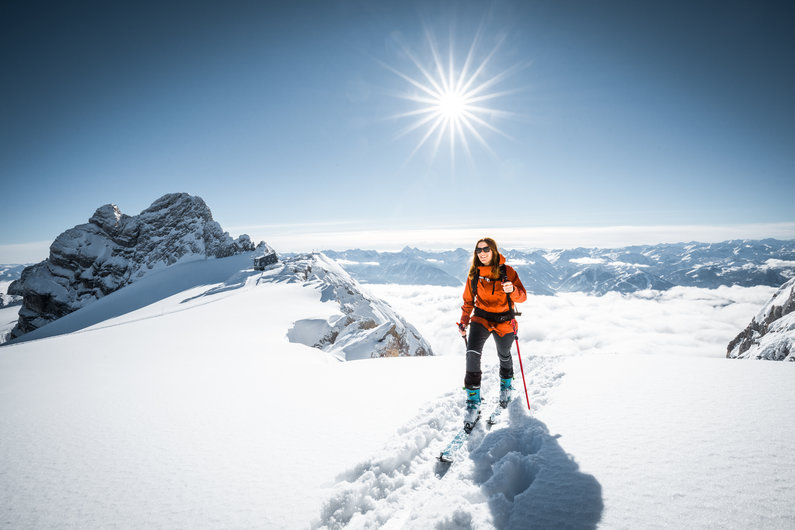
491, 298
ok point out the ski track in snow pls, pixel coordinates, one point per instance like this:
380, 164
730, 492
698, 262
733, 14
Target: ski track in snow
508, 476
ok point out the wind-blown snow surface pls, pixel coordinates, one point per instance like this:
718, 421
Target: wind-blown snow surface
196, 411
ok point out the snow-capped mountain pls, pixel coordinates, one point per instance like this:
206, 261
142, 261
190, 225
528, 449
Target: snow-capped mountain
112, 250
596, 271
771, 333
9, 273
600, 278
407, 267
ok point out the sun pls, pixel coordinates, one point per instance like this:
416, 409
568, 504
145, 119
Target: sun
451, 101
452, 105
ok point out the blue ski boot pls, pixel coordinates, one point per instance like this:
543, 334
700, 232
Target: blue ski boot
472, 412
505, 392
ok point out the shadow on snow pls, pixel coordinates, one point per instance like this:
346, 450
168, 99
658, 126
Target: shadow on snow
518, 473
531, 482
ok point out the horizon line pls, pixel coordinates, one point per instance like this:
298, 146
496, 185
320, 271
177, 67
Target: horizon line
552, 238
296, 237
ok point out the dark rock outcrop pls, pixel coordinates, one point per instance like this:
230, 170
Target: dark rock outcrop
112, 250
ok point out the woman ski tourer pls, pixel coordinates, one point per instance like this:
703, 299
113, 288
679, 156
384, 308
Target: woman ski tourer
491, 290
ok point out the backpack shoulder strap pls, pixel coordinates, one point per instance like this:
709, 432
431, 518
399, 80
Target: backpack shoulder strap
474, 287
503, 277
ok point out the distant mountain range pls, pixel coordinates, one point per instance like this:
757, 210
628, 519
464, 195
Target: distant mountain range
591, 270
9, 273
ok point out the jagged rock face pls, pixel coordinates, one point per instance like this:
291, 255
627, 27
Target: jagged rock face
771, 333
112, 250
365, 327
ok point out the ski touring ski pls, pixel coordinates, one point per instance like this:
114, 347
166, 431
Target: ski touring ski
494, 417
448, 454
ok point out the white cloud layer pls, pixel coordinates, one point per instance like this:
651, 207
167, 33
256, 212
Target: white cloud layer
680, 321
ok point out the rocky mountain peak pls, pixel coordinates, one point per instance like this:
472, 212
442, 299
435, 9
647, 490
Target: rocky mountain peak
108, 218
179, 205
113, 249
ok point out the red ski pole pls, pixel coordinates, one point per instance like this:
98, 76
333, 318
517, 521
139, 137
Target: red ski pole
521, 368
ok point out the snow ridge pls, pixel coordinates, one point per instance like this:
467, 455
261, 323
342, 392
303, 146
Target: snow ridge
366, 327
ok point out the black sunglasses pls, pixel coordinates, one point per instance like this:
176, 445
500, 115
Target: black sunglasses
482, 250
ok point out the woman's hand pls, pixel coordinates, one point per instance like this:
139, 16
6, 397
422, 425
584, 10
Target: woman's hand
462, 329
507, 287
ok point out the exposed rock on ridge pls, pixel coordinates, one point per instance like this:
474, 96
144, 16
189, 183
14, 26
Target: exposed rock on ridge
771, 333
112, 250
365, 327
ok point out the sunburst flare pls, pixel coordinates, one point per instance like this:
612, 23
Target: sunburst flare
449, 102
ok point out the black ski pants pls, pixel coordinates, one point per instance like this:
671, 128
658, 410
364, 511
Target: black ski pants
477, 339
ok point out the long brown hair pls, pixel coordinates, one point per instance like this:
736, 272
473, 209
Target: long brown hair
495, 259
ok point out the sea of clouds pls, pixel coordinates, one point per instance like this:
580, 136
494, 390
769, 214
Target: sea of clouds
680, 321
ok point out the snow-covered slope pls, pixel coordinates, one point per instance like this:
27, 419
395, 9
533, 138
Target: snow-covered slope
771, 333
190, 410
196, 411
680, 442
614, 441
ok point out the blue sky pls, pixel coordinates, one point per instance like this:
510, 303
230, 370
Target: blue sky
282, 115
